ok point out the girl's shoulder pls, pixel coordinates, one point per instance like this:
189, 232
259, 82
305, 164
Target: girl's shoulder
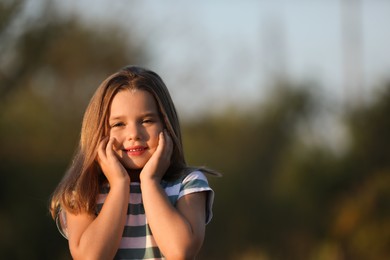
195, 175
190, 182
195, 181
188, 175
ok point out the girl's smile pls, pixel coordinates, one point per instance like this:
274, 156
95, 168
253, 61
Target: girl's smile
136, 150
135, 124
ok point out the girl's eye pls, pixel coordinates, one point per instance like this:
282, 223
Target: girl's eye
117, 124
147, 121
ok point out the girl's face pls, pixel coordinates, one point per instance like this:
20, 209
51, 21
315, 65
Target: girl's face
135, 123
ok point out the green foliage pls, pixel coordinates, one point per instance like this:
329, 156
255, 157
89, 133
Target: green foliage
249, 149
282, 199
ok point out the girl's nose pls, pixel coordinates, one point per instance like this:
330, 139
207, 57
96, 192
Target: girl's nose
133, 132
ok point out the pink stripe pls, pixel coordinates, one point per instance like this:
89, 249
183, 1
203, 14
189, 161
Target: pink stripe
101, 198
134, 198
137, 242
136, 220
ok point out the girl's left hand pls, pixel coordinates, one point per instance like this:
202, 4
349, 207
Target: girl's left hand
159, 162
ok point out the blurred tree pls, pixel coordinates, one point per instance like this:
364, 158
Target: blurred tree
348, 196
50, 66
283, 199
34, 44
361, 222
249, 149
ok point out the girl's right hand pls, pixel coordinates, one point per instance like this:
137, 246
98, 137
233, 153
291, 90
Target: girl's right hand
98, 237
108, 161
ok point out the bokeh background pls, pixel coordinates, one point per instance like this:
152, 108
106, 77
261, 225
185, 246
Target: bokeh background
290, 100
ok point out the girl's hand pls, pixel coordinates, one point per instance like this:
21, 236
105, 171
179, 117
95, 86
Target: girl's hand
108, 161
159, 162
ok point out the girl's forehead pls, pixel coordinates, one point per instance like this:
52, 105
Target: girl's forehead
133, 101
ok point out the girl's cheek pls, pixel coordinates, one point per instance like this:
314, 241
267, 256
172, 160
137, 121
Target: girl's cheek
115, 135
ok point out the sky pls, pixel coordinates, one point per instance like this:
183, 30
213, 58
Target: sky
213, 54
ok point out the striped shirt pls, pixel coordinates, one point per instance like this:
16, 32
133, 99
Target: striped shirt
137, 239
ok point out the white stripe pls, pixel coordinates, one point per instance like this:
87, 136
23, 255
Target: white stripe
196, 175
173, 190
193, 190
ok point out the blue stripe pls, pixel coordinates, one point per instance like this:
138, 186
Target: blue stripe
137, 231
138, 253
133, 189
194, 184
173, 199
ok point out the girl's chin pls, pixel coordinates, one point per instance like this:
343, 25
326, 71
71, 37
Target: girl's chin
133, 167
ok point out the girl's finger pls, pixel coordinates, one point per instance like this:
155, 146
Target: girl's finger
102, 147
160, 150
161, 143
110, 147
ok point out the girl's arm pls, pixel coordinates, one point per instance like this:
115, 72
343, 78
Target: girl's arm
98, 237
179, 232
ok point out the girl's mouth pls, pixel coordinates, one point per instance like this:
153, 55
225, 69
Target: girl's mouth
135, 150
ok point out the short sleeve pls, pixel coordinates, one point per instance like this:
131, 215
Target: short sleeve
197, 182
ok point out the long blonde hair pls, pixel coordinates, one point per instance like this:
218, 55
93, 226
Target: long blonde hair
79, 187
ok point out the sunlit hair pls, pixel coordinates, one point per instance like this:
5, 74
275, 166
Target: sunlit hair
78, 190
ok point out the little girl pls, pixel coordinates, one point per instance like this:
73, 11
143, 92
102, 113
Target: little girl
129, 193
